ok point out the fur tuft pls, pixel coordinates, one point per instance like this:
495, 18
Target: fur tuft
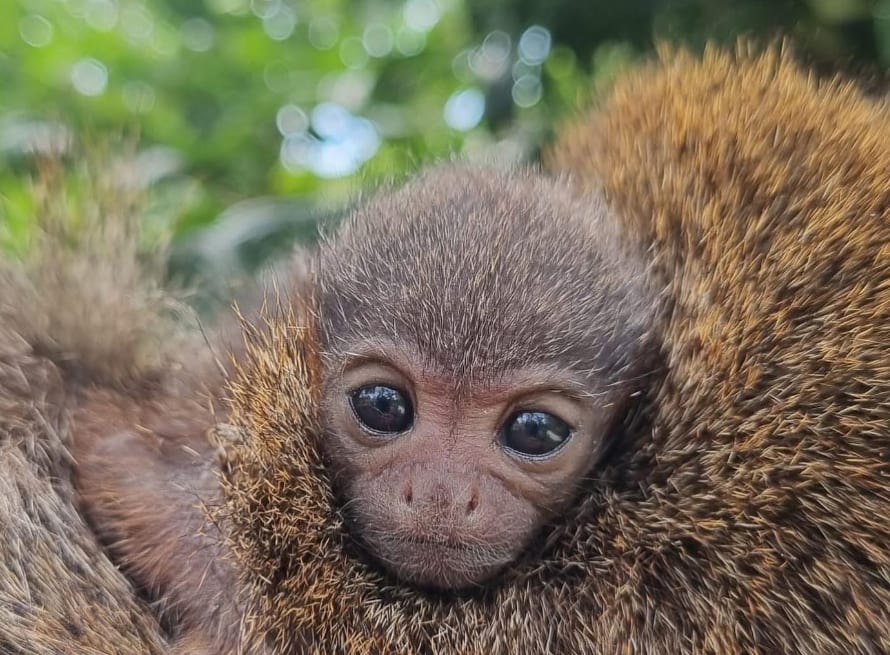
279, 504
87, 295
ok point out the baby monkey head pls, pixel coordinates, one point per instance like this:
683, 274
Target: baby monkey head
482, 333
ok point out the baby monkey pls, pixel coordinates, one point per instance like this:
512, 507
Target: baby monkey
480, 334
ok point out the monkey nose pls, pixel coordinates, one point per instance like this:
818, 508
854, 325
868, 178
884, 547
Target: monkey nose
473, 502
407, 495
450, 497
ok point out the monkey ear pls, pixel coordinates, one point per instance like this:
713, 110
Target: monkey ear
283, 291
292, 277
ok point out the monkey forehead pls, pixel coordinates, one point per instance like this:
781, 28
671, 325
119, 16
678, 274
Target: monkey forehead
482, 271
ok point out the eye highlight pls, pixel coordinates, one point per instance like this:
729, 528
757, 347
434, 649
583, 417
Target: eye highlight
382, 409
535, 433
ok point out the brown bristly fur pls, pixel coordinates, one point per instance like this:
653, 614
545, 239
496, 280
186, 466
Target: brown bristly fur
79, 307
273, 483
764, 196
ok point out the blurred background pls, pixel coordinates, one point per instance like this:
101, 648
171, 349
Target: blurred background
248, 121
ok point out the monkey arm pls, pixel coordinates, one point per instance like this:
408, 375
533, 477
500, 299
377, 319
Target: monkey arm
145, 476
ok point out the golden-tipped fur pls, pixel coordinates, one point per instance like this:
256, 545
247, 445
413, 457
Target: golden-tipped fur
760, 519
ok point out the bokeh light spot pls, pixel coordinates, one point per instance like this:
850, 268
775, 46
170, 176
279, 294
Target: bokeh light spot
280, 24
492, 59
290, 119
352, 53
89, 77
527, 91
330, 120
520, 68
421, 15
461, 67
197, 35
76, 8
323, 32
35, 30
465, 109
137, 22
378, 40
351, 88
265, 8
410, 42
534, 45
101, 15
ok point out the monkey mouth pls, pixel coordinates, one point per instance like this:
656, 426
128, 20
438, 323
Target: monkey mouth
436, 542
438, 563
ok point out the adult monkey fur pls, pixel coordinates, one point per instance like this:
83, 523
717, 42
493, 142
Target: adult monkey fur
750, 514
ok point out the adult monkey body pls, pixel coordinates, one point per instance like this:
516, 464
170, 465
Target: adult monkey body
750, 516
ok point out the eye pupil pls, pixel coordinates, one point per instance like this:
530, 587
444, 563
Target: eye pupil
382, 409
535, 433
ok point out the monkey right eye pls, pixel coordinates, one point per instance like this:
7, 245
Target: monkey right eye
535, 434
382, 409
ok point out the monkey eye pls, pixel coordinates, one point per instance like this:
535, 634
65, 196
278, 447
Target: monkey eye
533, 433
382, 409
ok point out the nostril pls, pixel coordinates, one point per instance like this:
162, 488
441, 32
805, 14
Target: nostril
473, 502
407, 493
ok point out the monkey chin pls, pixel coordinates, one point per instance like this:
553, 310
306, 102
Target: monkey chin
438, 564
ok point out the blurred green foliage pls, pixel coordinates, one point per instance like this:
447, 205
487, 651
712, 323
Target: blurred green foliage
253, 118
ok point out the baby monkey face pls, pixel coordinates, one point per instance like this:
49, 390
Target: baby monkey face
481, 333
448, 480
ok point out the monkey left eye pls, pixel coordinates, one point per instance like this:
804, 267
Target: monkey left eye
535, 433
382, 409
